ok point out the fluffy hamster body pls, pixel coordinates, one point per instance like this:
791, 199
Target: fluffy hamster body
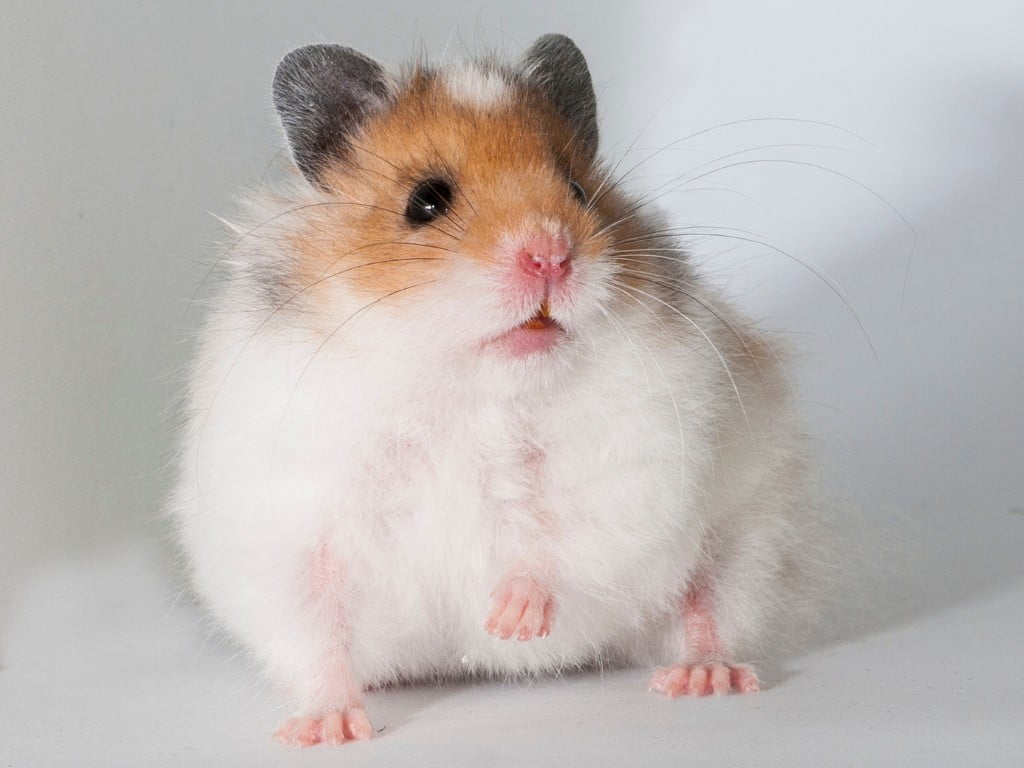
462, 407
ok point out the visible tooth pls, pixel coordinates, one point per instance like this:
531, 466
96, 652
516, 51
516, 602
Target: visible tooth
544, 312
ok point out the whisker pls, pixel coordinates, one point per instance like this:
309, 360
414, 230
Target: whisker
675, 408
747, 120
750, 237
400, 243
816, 271
607, 313
688, 178
683, 230
361, 311
271, 163
672, 146
846, 177
702, 332
262, 324
609, 175
824, 169
677, 286
642, 203
281, 214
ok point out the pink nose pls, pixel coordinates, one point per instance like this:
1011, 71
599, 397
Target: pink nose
545, 255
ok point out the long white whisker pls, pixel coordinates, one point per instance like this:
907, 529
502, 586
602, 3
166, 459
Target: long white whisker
629, 341
270, 316
679, 427
676, 284
702, 332
361, 311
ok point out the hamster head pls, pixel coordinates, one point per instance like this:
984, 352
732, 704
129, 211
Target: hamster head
459, 210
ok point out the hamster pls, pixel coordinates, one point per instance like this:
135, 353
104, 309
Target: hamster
463, 407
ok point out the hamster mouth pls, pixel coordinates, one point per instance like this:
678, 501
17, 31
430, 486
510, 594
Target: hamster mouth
541, 320
540, 333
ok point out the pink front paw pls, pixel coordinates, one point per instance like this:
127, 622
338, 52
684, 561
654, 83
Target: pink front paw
334, 727
521, 608
703, 679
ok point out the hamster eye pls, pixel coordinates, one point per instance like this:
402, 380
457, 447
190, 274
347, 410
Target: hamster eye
430, 200
578, 192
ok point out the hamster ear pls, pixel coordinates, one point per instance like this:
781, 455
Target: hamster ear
323, 94
556, 66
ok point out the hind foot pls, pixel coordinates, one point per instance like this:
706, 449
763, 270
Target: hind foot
334, 727
520, 608
702, 679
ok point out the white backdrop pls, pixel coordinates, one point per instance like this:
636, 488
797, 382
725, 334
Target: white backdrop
887, 141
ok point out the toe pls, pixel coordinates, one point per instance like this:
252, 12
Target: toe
289, 730
744, 680
532, 621
657, 684
331, 729
500, 599
511, 617
357, 725
676, 680
549, 616
283, 734
721, 682
698, 681
299, 731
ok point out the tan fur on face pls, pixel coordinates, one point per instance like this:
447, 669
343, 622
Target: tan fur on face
509, 167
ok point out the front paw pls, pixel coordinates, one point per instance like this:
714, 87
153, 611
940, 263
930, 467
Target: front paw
520, 608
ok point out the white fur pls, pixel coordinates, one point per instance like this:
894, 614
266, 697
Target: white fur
475, 86
398, 448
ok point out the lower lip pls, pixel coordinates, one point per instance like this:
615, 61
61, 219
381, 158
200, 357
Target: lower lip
537, 336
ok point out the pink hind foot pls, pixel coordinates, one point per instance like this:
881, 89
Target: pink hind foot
703, 679
334, 727
521, 608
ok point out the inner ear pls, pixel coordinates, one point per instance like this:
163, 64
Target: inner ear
323, 95
557, 67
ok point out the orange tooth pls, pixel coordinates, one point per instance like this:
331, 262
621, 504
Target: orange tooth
544, 312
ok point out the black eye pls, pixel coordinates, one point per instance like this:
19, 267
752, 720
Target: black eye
430, 200
578, 192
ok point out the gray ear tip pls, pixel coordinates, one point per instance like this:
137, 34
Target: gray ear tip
554, 38
315, 58
296, 57
305, 53
303, 59
293, 62
555, 41
304, 71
